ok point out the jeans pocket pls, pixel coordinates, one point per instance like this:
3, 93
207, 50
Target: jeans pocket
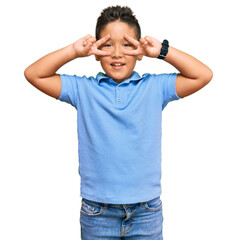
153, 205
88, 209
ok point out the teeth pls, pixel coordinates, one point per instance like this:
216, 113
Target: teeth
117, 64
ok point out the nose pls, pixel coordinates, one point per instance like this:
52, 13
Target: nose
117, 52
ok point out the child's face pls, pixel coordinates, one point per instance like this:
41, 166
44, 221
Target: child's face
118, 66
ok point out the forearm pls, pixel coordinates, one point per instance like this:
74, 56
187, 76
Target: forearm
187, 65
49, 64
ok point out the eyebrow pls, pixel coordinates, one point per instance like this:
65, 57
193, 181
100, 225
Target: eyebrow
122, 39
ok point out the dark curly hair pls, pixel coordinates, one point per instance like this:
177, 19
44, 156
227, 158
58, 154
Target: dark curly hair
113, 13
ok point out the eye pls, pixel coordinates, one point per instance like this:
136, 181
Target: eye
127, 45
107, 45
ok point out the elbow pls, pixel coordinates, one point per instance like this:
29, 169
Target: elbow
28, 74
207, 76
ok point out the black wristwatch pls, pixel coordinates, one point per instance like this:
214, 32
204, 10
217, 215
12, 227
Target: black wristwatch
164, 49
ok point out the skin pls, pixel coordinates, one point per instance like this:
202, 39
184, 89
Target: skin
118, 44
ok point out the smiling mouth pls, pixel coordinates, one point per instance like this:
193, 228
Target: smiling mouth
117, 66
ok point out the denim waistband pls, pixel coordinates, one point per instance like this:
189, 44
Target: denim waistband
98, 204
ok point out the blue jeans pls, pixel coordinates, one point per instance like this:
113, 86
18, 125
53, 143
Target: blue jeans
140, 221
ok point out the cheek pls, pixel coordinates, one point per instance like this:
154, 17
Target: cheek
105, 65
132, 60
104, 60
106, 50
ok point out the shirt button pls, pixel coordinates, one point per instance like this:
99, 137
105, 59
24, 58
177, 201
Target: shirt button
118, 99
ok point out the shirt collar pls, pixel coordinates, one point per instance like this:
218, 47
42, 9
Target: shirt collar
135, 76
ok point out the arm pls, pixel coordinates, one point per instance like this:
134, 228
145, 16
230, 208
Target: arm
193, 75
42, 73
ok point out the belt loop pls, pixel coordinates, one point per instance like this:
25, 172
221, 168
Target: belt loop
105, 205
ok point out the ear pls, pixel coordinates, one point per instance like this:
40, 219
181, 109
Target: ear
139, 57
97, 58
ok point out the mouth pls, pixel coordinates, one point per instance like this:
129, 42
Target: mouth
117, 65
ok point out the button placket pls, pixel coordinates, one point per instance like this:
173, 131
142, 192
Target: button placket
118, 95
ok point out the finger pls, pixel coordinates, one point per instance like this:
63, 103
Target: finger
131, 40
88, 45
149, 40
87, 37
84, 39
103, 40
143, 42
91, 39
132, 52
100, 53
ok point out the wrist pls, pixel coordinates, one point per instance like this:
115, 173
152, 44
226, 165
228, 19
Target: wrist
72, 50
159, 49
164, 50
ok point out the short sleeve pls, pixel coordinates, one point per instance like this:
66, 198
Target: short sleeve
169, 93
69, 89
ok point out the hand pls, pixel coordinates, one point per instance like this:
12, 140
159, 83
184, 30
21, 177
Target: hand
147, 46
88, 45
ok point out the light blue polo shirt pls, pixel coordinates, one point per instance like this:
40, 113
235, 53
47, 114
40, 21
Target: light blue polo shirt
119, 134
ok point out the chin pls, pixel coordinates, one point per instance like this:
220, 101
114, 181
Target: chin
119, 77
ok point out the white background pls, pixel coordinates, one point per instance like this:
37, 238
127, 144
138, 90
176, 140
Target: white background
39, 182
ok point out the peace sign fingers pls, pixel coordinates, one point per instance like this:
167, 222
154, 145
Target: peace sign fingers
139, 49
95, 48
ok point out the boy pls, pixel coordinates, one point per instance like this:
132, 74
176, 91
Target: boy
119, 122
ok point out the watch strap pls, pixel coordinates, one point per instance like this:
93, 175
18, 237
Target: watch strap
164, 49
